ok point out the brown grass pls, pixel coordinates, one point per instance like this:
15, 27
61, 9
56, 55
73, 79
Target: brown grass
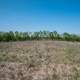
40, 60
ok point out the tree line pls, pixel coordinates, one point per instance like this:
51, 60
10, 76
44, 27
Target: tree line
41, 35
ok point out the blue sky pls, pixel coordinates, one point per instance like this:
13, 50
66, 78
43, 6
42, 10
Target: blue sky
36, 15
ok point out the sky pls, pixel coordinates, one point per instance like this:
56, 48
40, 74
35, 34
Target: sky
36, 15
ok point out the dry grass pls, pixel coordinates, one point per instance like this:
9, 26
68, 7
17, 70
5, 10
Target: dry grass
40, 60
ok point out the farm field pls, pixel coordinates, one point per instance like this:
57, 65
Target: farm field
40, 60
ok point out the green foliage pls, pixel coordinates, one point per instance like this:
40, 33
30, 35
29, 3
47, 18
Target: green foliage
41, 35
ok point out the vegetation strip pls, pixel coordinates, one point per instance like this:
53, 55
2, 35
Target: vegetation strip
41, 35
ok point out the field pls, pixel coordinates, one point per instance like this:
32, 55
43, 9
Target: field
40, 60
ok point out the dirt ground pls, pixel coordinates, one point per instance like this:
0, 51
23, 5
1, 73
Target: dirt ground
40, 60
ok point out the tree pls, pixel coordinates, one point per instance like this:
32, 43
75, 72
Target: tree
20, 36
66, 36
